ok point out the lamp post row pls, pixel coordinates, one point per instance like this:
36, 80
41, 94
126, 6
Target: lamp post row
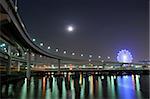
65, 52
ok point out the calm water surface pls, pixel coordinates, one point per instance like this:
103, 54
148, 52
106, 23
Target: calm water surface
69, 87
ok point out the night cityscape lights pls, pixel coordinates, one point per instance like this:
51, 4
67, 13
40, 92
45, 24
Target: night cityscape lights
124, 56
68, 49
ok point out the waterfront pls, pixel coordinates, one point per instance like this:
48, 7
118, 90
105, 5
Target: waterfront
74, 49
71, 87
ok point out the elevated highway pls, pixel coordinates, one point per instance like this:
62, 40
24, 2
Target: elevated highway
14, 35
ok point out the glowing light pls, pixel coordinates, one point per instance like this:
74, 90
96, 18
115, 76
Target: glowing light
48, 47
99, 56
89, 60
100, 66
80, 81
83, 66
124, 56
108, 57
65, 65
56, 49
33, 40
91, 85
3, 45
33, 54
138, 66
41, 44
65, 52
90, 56
52, 66
81, 54
102, 77
102, 61
73, 53
70, 28
17, 54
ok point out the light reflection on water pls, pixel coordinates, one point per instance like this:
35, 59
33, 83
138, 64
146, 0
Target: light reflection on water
68, 87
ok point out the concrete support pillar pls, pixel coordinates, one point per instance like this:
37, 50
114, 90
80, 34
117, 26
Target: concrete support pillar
35, 60
18, 66
58, 66
77, 66
28, 72
8, 68
103, 66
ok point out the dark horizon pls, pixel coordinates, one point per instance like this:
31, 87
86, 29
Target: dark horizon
101, 28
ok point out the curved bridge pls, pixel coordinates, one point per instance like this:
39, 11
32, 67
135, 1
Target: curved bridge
16, 44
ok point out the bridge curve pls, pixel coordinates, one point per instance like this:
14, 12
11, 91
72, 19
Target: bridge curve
12, 21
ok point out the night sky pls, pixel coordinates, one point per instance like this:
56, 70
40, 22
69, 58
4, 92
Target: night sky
102, 27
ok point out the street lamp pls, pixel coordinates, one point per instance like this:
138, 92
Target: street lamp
90, 56
33, 40
48, 47
99, 56
17, 54
89, 60
56, 50
41, 44
65, 52
108, 57
81, 55
65, 65
73, 53
3, 45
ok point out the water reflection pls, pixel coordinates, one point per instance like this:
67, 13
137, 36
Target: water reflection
71, 87
86, 92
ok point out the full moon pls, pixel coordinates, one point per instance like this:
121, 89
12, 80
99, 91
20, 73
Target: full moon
70, 28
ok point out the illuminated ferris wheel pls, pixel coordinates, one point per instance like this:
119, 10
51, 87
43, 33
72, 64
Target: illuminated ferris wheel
124, 56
